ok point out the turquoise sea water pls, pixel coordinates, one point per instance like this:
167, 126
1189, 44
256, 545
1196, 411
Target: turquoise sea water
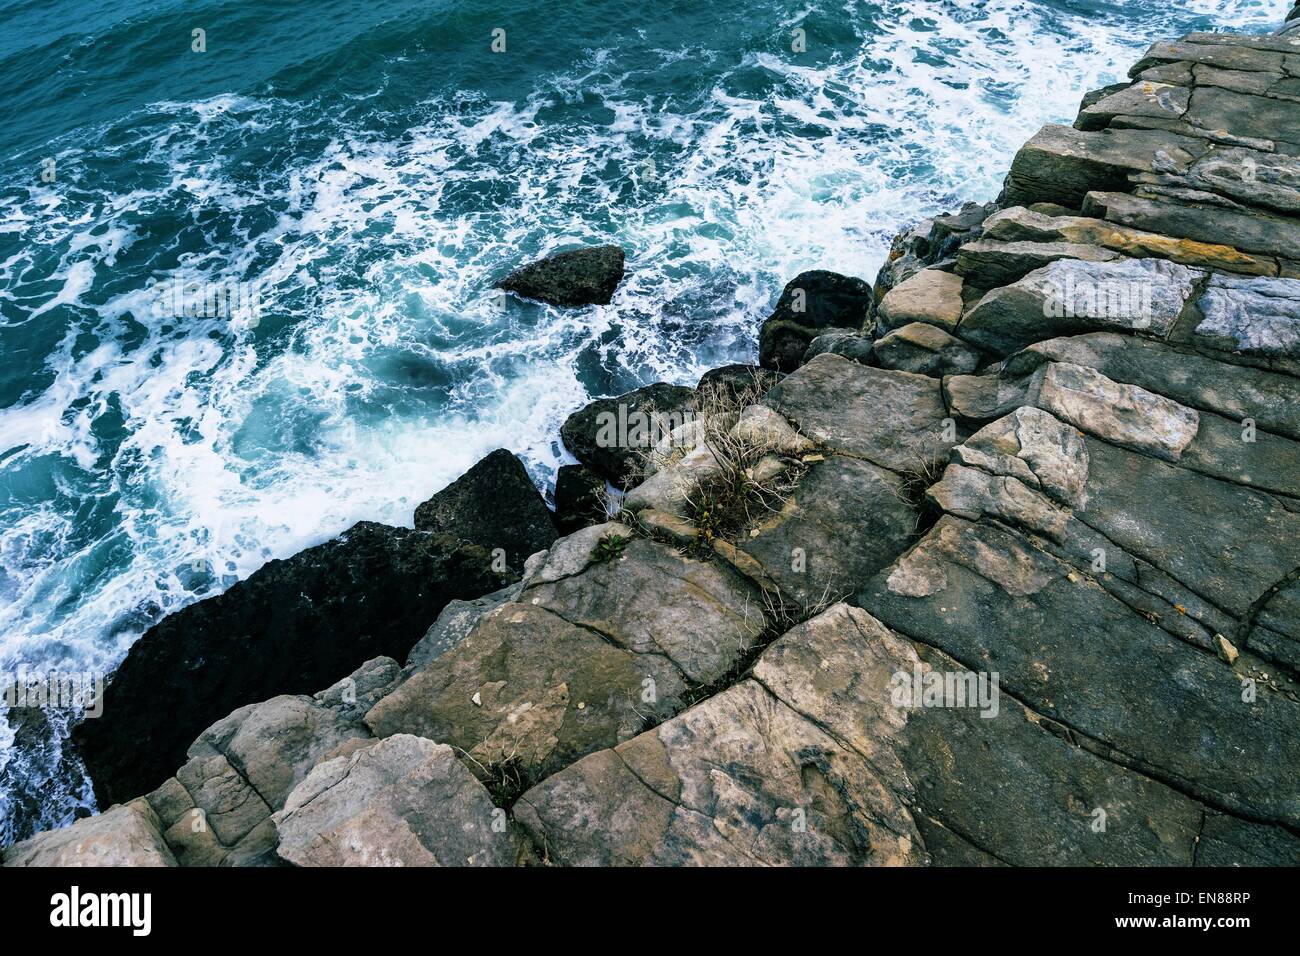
362, 171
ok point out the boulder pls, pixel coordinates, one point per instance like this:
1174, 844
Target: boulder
843, 342
931, 296
892, 419
928, 243
402, 801
811, 302
730, 381
925, 350
495, 505
291, 627
126, 835
577, 277
612, 435
989, 263
1071, 296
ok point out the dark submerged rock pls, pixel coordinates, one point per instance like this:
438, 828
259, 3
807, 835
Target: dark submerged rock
578, 498
494, 504
576, 277
607, 434
812, 301
292, 627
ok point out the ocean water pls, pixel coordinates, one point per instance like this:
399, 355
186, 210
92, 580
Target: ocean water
354, 175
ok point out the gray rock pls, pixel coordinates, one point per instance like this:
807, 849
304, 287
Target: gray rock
124, 835
1255, 232
892, 419
402, 801
987, 263
455, 621
1070, 296
1123, 415
930, 295
527, 693
1254, 316
843, 342
611, 435
925, 350
1076, 655
1061, 164
844, 521
810, 303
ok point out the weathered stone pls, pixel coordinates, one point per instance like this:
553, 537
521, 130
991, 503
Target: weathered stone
983, 397
495, 505
844, 521
925, 350
762, 430
892, 419
1249, 231
571, 278
738, 780
931, 296
988, 263
652, 600
1258, 117
1254, 316
402, 801
126, 835
1061, 164
1143, 98
455, 621
526, 693
1124, 415
1074, 654
1019, 225
850, 345
927, 243
1034, 447
229, 805
1070, 296
1198, 381
1228, 57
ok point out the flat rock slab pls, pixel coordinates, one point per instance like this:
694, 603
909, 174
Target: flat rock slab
890, 418
402, 801
650, 599
844, 521
526, 693
1069, 650
1252, 316
1070, 296
738, 780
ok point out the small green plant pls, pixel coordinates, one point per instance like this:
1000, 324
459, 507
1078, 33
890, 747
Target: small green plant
610, 546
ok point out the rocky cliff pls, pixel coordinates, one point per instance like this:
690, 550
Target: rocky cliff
1000, 565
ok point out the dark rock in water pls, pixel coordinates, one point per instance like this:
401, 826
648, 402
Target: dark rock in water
811, 301
577, 277
578, 498
737, 379
494, 504
608, 434
292, 627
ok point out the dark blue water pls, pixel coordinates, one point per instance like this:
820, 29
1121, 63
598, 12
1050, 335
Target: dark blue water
359, 172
